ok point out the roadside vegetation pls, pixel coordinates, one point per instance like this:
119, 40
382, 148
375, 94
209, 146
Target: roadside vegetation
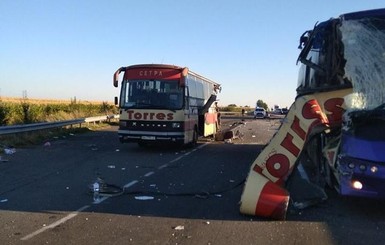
15, 111
23, 111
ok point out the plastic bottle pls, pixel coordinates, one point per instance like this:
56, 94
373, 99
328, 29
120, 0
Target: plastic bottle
96, 189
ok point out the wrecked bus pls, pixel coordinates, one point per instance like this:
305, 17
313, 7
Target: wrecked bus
335, 129
165, 103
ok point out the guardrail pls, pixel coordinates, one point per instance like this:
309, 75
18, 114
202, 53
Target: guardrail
47, 125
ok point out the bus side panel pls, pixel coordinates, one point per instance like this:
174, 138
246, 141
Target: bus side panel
190, 124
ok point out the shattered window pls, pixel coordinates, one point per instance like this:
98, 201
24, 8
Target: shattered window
364, 51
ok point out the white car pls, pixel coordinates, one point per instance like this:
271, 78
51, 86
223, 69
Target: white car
260, 112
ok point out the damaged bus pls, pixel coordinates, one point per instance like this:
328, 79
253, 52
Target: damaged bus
335, 130
165, 103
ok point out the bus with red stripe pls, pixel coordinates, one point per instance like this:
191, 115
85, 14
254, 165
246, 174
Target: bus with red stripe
165, 103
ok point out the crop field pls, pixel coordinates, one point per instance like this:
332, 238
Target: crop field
15, 111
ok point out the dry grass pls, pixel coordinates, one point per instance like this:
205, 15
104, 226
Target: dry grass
46, 101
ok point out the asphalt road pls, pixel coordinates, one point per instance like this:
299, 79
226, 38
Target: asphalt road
191, 194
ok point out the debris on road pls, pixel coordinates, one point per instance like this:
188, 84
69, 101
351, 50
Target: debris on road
179, 227
10, 150
144, 198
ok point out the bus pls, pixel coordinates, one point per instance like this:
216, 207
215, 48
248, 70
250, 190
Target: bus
334, 133
162, 103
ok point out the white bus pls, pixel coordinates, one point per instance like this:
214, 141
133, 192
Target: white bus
165, 103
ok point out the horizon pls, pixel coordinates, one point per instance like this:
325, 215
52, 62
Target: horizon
70, 49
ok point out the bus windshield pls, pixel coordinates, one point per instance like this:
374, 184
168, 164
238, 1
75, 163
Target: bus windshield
151, 94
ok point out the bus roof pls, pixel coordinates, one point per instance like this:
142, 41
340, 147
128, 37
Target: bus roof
166, 66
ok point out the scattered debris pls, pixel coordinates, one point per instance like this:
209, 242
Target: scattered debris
144, 198
179, 227
10, 151
111, 166
3, 200
47, 144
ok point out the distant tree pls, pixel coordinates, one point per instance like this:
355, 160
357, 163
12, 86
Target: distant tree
232, 105
262, 104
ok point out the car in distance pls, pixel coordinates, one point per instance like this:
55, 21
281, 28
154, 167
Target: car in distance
284, 111
260, 112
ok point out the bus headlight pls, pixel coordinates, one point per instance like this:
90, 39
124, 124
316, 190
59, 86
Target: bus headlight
374, 169
175, 125
357, 185
351, 165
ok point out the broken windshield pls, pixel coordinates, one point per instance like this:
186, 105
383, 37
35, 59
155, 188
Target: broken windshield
364, 51
151, 94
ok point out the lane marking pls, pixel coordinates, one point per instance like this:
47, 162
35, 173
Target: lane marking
101, 199
176, 159
53, 225
130, 184
163, 166
149, 174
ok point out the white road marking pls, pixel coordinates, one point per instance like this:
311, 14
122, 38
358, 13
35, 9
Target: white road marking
130, 184
53, 225
176, 159
149, 174
163, 166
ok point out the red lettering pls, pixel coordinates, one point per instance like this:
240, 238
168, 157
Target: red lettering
160, 116
130, 114
334, 106
295, 126
288, 144
258, 169
278, 165
149, 115
312, 110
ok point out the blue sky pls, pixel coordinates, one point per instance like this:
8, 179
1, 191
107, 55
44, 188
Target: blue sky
66, 49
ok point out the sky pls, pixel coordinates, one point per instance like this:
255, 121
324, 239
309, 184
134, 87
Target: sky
66, 49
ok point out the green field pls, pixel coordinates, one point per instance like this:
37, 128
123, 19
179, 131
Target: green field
15, 111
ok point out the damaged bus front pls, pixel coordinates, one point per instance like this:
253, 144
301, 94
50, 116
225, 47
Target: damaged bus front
335, 129
353, 152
